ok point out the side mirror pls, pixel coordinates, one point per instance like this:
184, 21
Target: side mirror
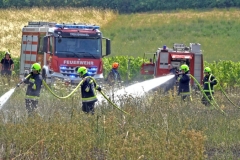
45, 44
108, 47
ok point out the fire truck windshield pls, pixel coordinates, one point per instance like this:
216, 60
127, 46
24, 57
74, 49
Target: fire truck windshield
78, 47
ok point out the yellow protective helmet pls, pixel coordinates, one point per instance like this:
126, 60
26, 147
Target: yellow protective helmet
37, 67
82, 71
184, 67
207, 70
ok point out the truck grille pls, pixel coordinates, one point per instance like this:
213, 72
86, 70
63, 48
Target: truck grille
72, 71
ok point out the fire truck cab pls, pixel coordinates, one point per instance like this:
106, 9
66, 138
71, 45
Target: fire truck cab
62, 48
166, 58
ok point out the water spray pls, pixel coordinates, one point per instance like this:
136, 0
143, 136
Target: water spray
4, 98
139, 89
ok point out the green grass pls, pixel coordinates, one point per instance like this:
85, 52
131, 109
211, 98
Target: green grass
217, 31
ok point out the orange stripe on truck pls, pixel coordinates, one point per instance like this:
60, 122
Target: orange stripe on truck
29, 62
30, 52
30, 42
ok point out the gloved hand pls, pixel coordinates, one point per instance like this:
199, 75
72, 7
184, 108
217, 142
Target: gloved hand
178, 79
99, 88
31, 80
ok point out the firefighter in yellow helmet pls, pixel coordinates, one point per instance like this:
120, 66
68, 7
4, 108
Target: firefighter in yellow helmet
208, 81
184, 82
34, 82
88, 91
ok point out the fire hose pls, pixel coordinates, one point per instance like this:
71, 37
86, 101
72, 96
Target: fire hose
80, 83
23, 80
224, 93
204, 94
70, 94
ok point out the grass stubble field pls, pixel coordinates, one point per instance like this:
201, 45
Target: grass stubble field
159, 126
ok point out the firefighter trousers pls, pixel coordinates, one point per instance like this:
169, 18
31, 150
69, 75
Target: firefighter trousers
88, 107
31, 105
204, 99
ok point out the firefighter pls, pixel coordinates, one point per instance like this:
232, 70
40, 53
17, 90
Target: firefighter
113, 75
184, 82
7, 66
33, 89
208, 79
88, 91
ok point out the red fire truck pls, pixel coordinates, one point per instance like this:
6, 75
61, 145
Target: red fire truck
62, 48
164, 58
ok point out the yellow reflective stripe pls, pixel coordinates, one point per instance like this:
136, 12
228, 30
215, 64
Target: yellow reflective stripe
89, 99
208, 90
91, 81
185, 93
209, 78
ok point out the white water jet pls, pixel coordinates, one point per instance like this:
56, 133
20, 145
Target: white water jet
139, 89
5, 97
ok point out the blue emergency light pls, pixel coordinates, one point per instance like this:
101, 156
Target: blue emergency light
72, 76
92, 71
63, 67
78, 26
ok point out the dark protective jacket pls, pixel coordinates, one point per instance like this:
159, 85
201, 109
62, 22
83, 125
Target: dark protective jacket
212, 82
6, 63
88, 90
184, 82
34, 86
113, 76
173, 70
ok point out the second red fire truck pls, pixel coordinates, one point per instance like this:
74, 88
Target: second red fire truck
175, 57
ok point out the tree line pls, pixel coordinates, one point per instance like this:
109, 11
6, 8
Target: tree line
124, 6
